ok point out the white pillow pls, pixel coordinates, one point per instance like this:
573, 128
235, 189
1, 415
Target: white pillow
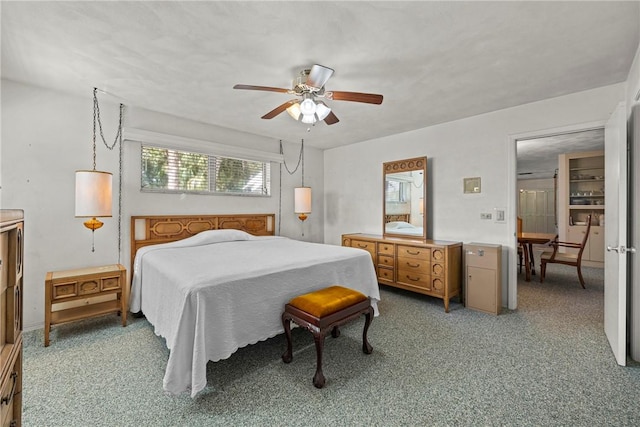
399, 225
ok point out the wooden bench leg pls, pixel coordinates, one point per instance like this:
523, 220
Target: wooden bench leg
335, 332
287, 356
318, 378
366, 347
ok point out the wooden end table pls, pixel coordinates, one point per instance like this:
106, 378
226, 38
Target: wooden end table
76, 294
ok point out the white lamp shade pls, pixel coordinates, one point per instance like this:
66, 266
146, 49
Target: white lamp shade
294, 111
302, 200
308, 107
308, 119
322, 111
93, 193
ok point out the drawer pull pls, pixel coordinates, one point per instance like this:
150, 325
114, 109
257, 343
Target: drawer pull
413, 253
417, 279
360, 245
413, 265
6, 400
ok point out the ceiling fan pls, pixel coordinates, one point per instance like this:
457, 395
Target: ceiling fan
309, 86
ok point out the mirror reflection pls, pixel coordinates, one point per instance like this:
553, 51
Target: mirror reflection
404, 198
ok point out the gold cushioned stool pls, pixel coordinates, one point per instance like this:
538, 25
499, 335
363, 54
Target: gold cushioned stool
323, 311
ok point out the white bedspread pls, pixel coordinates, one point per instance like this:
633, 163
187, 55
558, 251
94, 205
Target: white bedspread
219, 291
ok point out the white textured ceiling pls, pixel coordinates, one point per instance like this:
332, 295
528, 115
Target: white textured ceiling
538, 157
433, 61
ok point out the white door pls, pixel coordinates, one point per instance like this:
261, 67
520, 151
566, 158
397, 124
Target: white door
615, 260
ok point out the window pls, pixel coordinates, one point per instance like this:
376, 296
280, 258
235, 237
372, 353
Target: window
397, 191
168, 170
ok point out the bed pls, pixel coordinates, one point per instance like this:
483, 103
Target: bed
210, 285
403, 227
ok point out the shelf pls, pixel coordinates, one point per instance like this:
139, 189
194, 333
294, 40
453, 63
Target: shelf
587, 168
587, 180
76, 313
587, 207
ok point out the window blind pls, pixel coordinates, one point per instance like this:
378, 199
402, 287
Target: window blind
171, 170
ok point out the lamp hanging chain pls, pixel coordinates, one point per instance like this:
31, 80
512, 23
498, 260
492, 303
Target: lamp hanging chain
120, 157
118, 140
96, 116
291, 172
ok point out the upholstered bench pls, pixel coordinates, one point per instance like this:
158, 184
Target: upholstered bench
323, 311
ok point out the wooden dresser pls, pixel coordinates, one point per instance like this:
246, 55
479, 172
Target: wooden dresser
11, 287
431, 267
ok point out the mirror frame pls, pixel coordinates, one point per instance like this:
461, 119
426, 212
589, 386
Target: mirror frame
406, 165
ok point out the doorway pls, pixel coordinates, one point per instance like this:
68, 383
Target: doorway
540, 161
543, 181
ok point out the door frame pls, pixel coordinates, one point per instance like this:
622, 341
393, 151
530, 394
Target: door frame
512, 193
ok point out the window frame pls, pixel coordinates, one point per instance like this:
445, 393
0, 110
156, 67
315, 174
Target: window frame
212, 159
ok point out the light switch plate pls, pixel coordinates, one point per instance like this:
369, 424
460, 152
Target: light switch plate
500, 214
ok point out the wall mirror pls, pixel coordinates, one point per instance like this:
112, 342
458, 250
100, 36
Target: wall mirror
405, 194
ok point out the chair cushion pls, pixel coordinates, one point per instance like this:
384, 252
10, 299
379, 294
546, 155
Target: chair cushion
546, 255
328, 300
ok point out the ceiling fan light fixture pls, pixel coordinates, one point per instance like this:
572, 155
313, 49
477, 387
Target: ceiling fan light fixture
322, 111
308, 106
308, 119
294, 111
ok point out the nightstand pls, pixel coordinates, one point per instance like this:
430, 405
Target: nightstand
81, 293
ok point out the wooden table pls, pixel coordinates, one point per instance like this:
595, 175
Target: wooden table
527, 240
77, 294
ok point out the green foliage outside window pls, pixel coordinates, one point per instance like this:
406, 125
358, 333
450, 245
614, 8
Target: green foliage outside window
171, 170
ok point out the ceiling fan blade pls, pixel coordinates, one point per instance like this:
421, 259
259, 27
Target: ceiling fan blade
265, 88
279, 109
318, 76
369, 98
331, 119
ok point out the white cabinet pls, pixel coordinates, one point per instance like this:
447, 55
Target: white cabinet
580, 194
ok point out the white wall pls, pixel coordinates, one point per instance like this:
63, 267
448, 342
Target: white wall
46, 137
477, 146
535, 184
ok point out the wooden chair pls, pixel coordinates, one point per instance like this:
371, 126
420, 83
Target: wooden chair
520, 248
574, 259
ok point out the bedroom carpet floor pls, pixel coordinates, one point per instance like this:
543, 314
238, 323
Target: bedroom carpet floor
547, 363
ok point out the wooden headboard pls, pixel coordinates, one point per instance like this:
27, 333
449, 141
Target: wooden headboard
152, 230
397, 217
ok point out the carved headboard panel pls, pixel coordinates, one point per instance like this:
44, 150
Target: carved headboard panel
152, 230
397, 217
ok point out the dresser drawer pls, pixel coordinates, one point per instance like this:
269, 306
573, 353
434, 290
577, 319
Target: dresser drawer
110, 283
386, 249
413, 278
11, 385
88, 287
64, 290
415, 265
414, 252
367, 246
385, 274
385, 260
